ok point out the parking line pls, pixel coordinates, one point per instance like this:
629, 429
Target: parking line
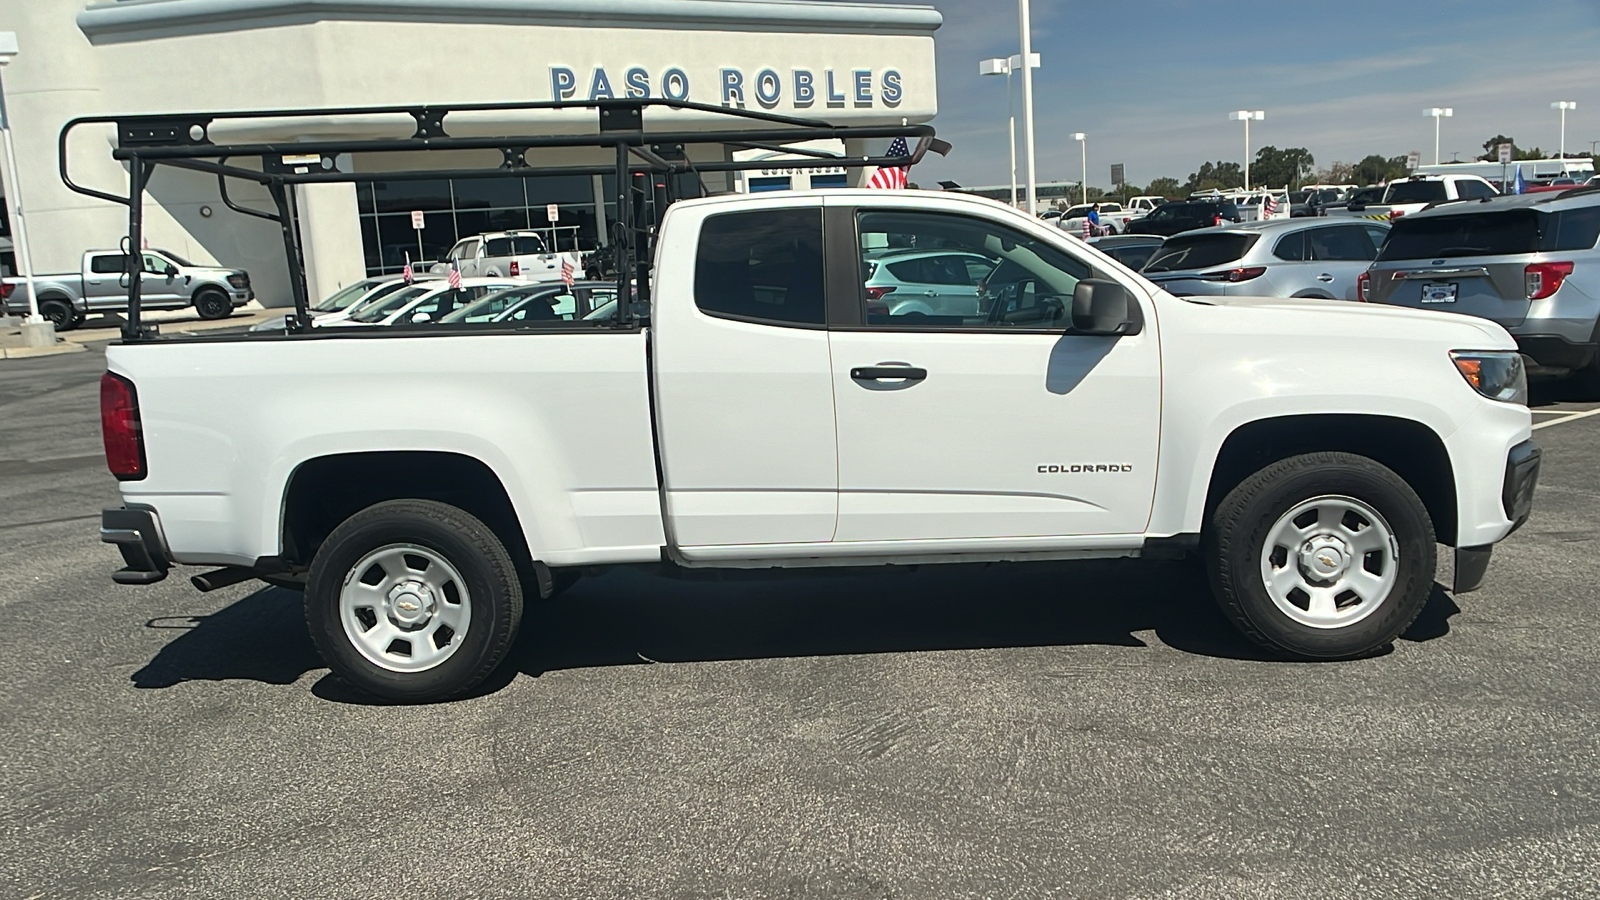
1582, 415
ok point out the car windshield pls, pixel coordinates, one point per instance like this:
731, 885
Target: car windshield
495, 305
344, 298
1415, 192
176, 258
378, 310
1200, 251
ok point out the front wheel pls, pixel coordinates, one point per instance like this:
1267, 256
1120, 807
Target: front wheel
1322, 556
213, 305
413, 600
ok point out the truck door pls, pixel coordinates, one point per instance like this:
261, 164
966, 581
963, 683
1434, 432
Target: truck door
103, 275
743, 377
162, 285
994, 429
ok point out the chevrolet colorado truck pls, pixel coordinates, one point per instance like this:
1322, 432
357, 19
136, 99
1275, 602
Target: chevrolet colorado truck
766, 413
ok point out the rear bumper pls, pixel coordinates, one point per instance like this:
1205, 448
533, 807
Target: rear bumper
1516, 498
136, 531
1556, 351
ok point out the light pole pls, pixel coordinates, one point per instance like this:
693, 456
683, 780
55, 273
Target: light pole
1003, 66
1564, 105
8, 52
1083, 144
1027, 103
1247, 116
1437, 113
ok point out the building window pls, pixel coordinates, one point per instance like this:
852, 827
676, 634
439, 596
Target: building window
461, 208
757, 185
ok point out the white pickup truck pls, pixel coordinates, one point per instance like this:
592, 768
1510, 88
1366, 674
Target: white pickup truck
1415, 193
769, 414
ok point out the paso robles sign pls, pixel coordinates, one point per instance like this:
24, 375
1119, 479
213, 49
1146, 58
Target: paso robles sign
767, 88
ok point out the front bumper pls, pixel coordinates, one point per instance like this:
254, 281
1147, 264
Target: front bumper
1516, 497
136, 530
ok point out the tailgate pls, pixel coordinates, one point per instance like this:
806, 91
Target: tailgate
1492, 290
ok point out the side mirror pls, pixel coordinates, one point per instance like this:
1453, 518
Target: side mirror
421, 317
1103, 307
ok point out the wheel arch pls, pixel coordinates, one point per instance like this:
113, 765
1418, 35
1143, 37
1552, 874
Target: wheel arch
323, 491
1410, 448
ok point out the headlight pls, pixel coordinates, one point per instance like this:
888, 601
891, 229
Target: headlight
238, 282
1496, 374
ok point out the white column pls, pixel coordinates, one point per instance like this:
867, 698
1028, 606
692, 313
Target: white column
330, 234
1027, 105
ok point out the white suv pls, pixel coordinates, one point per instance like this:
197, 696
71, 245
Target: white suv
1418, 192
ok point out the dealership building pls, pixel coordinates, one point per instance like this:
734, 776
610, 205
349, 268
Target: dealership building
857, 63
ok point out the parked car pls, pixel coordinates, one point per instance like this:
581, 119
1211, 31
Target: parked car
419, 303
1278, 258
929, 282
531, 303
1185, 215
341, 303
513, 254
764, 419
1132, 250
1528, 263
1113, 218
1361, 196
1416, 193
1145, 204
1310, 203
168, 282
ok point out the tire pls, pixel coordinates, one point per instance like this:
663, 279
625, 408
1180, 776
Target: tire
59, 311
213, 304
427, 567
1366, 517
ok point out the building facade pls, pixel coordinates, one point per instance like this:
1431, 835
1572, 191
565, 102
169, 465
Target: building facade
846, 62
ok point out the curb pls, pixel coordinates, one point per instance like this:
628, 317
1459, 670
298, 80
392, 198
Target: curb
26, 352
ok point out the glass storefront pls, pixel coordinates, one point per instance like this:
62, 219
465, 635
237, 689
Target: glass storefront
455, 209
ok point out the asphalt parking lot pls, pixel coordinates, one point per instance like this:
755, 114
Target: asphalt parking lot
1044, 731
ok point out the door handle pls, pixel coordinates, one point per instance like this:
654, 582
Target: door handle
887, 373
1324, 277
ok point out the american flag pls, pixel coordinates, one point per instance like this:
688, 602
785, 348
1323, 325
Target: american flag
1086, 228
566, 269
892, 177
406, 274
1270, 208
455, 274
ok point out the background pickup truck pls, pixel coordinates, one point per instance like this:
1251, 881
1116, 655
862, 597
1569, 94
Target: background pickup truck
767, 415
1416, 193
169, 282
509, 254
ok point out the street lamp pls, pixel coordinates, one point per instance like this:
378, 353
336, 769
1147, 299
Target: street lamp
1437, 113
1027, 102
1083, 143
1001, 65
8, 52
1247, 116
1564, 105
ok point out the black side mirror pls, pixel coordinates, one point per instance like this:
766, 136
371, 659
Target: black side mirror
1103, 307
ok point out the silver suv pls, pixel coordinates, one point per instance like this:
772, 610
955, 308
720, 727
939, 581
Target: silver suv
1276, 258
1528, 262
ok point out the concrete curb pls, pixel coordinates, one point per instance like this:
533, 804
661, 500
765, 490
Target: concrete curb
25, 352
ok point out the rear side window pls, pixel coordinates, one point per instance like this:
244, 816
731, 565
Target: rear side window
1200, 251
1291, 247
1577, 229
1472, 234
1341, 243
1473, 190
108, 265
763, 265
497, 247
1416, 192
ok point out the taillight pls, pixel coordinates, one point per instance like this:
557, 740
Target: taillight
119, 425
5, 290
1544, 279
1215, 221
1395, 214
1237, 275
875, 292
1364, 287
515, 268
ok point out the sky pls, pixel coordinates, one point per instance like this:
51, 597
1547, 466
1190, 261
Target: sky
1151, 81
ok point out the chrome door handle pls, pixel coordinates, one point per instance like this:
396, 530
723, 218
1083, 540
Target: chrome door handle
1324, 277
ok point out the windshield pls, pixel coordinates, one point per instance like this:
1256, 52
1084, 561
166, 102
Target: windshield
1200, 251
381, 309
494, 305
1415, 192
343, 298
177, 259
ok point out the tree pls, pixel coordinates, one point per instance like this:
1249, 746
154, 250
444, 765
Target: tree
1337, 173
1491, 148
1215, 176
1375, 168
1164, 187
1279, 168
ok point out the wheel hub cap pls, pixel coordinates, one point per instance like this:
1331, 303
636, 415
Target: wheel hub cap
1325, 557
410, 604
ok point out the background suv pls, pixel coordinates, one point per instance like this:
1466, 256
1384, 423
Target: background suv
1277, 258
1528, 262
1185, 215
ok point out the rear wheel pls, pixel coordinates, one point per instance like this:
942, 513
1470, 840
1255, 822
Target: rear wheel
1322, 556
413, 600
58, 311
213, 304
